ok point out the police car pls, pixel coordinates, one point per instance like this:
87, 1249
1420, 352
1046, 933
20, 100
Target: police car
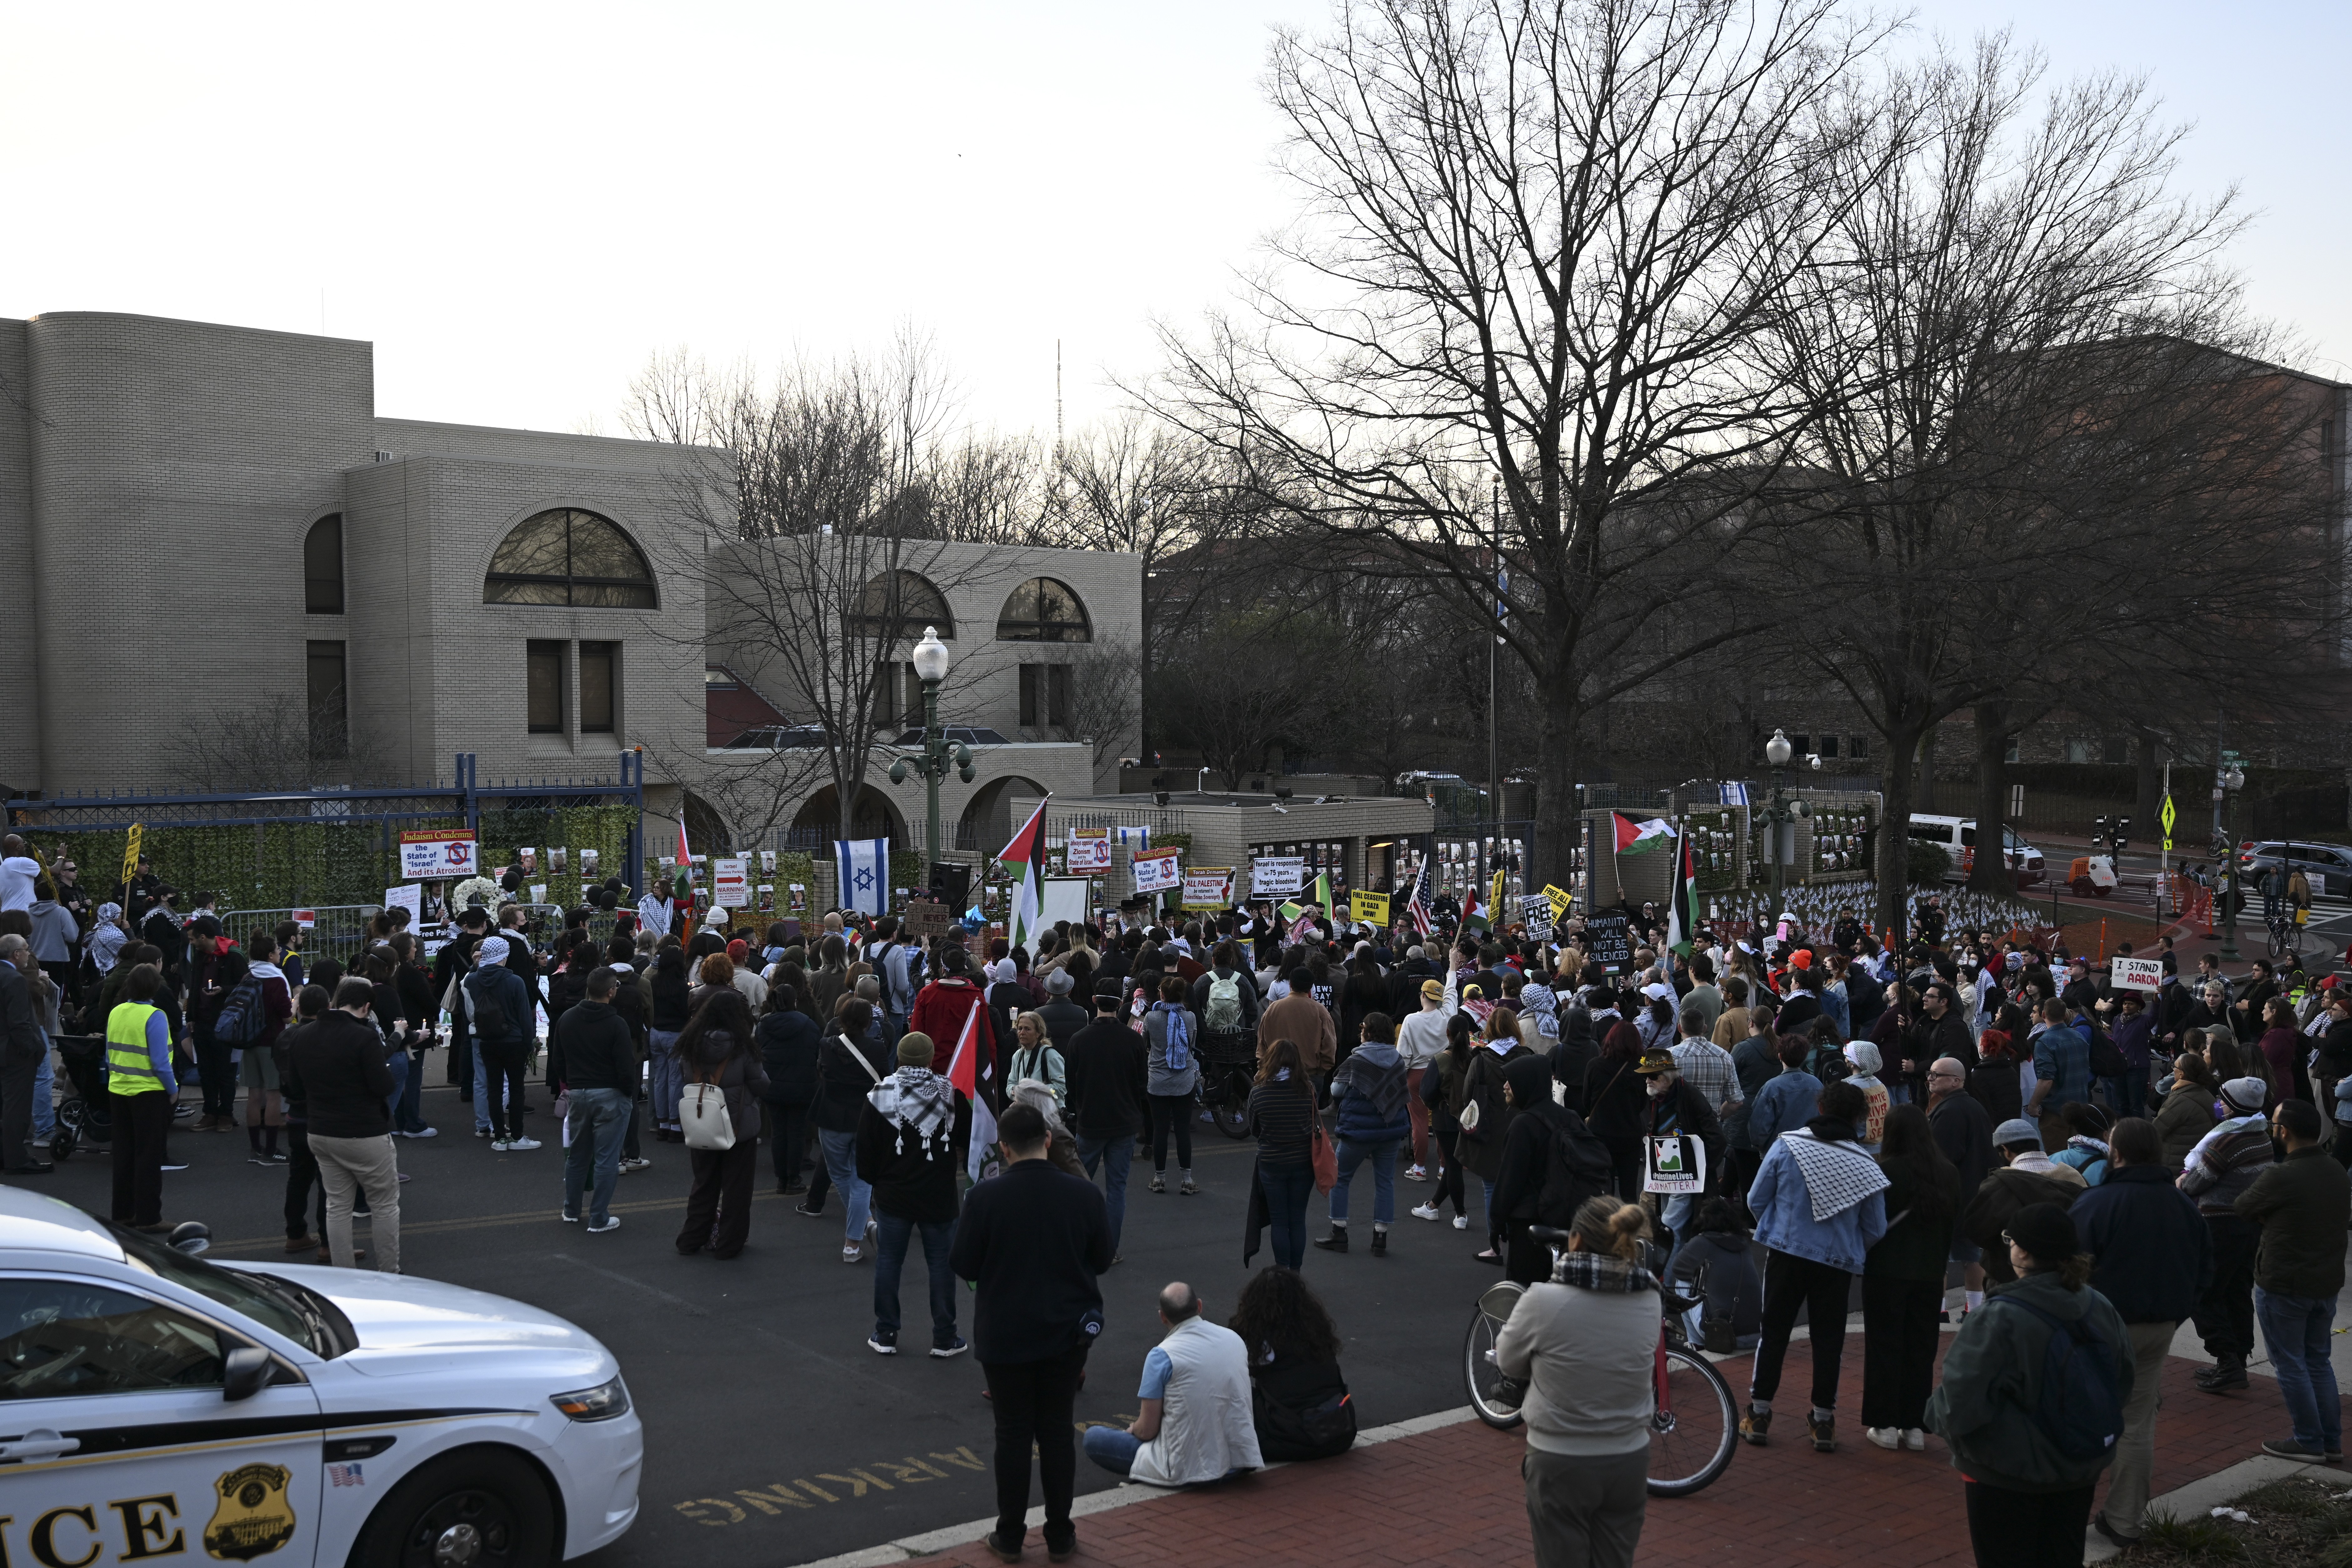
157, 1405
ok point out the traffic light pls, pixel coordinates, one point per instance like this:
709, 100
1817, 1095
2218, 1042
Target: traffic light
2123, 833
2098, 832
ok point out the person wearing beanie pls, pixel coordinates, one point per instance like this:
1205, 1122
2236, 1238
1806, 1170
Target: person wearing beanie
906, 1152
2025, 1176
2027, 1501
2219, 1171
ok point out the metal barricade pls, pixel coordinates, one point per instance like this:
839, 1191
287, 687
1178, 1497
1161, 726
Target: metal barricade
339, 930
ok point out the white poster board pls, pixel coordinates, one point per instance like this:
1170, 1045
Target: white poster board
728, 886
1089, 849
1066, 899
2136, 973
434, 854
407, 896
1158, 870
1278, 876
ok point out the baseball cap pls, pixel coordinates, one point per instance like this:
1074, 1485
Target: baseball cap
1433, 991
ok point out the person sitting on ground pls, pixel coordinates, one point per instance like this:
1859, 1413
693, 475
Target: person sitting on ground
1299, 1401
1195, 1424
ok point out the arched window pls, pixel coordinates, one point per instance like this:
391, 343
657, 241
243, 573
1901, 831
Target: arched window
569, 557
322, 566
899, 604
1043, 610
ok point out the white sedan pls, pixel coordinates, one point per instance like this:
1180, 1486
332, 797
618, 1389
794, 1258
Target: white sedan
154, 1404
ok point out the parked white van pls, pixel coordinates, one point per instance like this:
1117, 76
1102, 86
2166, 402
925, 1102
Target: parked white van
1956, 836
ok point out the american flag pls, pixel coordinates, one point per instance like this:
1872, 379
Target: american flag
1416, 908
344, 1476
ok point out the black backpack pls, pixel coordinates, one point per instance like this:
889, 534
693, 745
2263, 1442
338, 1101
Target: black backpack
243, 1017
1576, 1167
2080, 1409
2106, 1060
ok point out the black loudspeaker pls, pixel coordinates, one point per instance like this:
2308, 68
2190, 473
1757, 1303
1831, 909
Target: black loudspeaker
951, 884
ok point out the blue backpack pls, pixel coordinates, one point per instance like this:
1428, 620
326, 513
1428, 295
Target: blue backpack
1179, 1042
2080, 1410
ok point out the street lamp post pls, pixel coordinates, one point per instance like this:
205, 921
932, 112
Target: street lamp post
931, 657
2226, 784
1777, 751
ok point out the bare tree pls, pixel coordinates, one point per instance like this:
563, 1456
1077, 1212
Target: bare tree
820, 549
2031, 387
1106, 691
267, 745
1516, 328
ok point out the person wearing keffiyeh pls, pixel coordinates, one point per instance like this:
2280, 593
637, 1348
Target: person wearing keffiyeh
905, 1149
1820, 1206
1578, 1353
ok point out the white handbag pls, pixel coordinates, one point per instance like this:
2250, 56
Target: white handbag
702, 1116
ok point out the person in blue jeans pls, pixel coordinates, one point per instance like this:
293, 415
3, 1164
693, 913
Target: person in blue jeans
905, 1151
1282, 1116
593, 1054
1370, 1088
2303, 1204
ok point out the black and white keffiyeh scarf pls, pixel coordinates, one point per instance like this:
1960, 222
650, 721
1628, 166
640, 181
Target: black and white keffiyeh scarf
1837, 1175
917, 1101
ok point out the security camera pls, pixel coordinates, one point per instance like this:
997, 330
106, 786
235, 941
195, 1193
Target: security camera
1814, 761
1283, 810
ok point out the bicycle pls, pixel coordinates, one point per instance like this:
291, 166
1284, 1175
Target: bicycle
2286, 934
1694, 1421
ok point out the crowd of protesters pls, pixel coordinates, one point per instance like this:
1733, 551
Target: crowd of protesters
2112, 1161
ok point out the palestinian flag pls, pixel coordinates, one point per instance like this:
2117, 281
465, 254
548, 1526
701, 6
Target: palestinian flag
1474, 913
971, 1077
1681, 907
1640, 837
1318, 892
1024, 860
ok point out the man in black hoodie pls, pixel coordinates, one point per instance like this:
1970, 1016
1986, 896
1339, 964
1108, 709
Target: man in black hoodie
593, 1054
338, 1073
1107, 1068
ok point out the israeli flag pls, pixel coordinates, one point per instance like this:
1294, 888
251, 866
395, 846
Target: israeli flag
864, 868
1134, 839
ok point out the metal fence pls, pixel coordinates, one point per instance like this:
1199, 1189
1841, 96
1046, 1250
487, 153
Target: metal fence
336, 931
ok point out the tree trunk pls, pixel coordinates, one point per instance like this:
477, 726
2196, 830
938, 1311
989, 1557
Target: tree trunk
1892, 861
1560, 829
1925, 797
1990, 873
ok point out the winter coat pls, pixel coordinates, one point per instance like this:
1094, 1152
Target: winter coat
789, 1048
1984, 1407
1370, 1088
1781, 1202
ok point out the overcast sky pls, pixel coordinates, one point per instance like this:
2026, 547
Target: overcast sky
519, 205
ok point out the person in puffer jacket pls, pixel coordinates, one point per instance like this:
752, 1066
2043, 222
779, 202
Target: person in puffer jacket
1370, 1088
2224, 1164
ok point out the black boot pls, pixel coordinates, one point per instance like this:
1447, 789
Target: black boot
1379, 1244
2226, 1373
1336, 1241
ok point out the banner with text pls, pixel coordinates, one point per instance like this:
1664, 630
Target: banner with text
1089, 851
1370, 907
1156, 871
431, 854
1278, 876
1208, 887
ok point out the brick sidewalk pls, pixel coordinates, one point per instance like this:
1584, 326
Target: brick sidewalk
1453, 1496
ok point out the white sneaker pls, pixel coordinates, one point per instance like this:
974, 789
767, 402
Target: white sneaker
1462, 1222
611, 1222
426, 1132
1425, 1211
1416, 1174
519, 1144
1915, 1440
498, 1145
1885, 1436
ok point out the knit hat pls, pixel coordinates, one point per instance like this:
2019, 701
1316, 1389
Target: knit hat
2047, 1231
2014, 1132
1801, 958
492, 951
1862, 1056
914, 1049
2245, 1095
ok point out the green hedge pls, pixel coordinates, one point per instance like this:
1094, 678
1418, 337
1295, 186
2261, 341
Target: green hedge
300, 865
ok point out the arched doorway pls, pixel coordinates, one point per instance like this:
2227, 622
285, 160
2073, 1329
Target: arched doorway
875, 816
987, 822
706, 832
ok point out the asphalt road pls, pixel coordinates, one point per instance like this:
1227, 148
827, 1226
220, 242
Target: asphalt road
773, 1435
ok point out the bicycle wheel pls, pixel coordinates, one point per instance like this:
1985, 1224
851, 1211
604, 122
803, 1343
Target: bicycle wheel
1231, 1114
1478, 1369
2281, 939
1695, 1429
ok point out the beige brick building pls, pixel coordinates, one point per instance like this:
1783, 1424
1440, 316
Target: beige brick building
199, 520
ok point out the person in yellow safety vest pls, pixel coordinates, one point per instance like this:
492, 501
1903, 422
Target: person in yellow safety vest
140, 1092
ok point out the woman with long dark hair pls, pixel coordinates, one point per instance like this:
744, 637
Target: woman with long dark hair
1903, 1280
718, 1050
1616, 1106
1281, 1116
1299, 1401
1444, 1086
